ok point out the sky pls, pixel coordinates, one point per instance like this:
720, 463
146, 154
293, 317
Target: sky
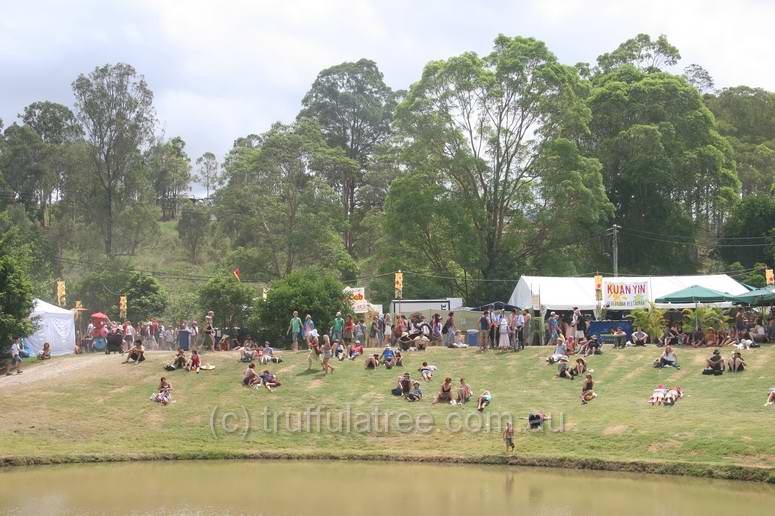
223, 69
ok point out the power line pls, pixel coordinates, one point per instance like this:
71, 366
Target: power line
692, 239
669, 240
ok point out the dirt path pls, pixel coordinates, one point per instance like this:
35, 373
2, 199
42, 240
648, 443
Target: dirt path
56, 368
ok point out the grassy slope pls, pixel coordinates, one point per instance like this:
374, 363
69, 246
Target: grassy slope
104, 409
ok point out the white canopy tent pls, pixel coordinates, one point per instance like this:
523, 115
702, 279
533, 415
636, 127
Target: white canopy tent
55, 326
564, 293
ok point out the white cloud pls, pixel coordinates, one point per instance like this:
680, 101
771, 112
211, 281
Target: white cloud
221, 70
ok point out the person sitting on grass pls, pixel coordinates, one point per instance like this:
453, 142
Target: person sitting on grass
45, 353
535, 422
195, 364
587, 390
445, 393
560, 350
269, 380
248, 353
137, 353
339, 351
463, 392
16, 359
770, 397
745, 342
563, 371
415, 394
736, 364
426, 371
639, 337
727, 340
484, 399
372, 362
388, 357
508, 437
580, 368
715, 364
355, 350
403, 385
399, 359
668, 358
179, 362
590, 347
620, 336
270, 355
249, 377
164, 396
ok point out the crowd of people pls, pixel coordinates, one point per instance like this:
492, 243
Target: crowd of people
348, 337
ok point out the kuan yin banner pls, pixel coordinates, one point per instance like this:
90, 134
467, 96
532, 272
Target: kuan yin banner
625, 295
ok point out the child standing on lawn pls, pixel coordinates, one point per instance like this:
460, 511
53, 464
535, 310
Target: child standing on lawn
508, 437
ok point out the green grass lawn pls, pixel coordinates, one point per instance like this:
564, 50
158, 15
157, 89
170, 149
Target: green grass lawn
102, 409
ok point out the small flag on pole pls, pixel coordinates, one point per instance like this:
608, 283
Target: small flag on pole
236, 274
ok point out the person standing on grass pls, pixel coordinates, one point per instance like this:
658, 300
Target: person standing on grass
484, 329
525, 327
348, 331
309, 327
494, 321
360, 331
338, 328
554, 328
508, 437
210, 331
294, 330
449, 330
16, 359
327, 354
503, 333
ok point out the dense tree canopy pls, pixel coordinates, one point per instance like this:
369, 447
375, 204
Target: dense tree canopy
275, 205
488, 167
491, 145
354, 109
666, 168
115, 108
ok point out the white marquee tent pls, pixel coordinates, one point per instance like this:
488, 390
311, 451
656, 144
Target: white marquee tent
564, 293
55, 326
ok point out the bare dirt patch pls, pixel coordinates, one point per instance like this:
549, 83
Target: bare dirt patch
615, 430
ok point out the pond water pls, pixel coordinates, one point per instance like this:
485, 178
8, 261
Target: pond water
372, 489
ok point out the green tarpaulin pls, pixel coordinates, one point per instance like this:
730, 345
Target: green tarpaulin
696, 294
759, 297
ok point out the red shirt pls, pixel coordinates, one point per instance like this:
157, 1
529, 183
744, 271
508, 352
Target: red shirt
195, 361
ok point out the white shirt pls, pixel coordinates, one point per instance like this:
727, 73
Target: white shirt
14, 349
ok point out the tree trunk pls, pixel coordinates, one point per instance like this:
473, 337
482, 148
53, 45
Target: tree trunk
109, 225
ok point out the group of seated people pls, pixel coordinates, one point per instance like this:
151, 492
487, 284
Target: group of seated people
389, 358
408, 389
180, 362
251, 378
715, 365
263, 354
744, 338
565, 371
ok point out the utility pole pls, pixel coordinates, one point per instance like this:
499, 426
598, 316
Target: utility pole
615, 230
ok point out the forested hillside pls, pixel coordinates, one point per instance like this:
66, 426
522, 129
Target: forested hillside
485, 168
